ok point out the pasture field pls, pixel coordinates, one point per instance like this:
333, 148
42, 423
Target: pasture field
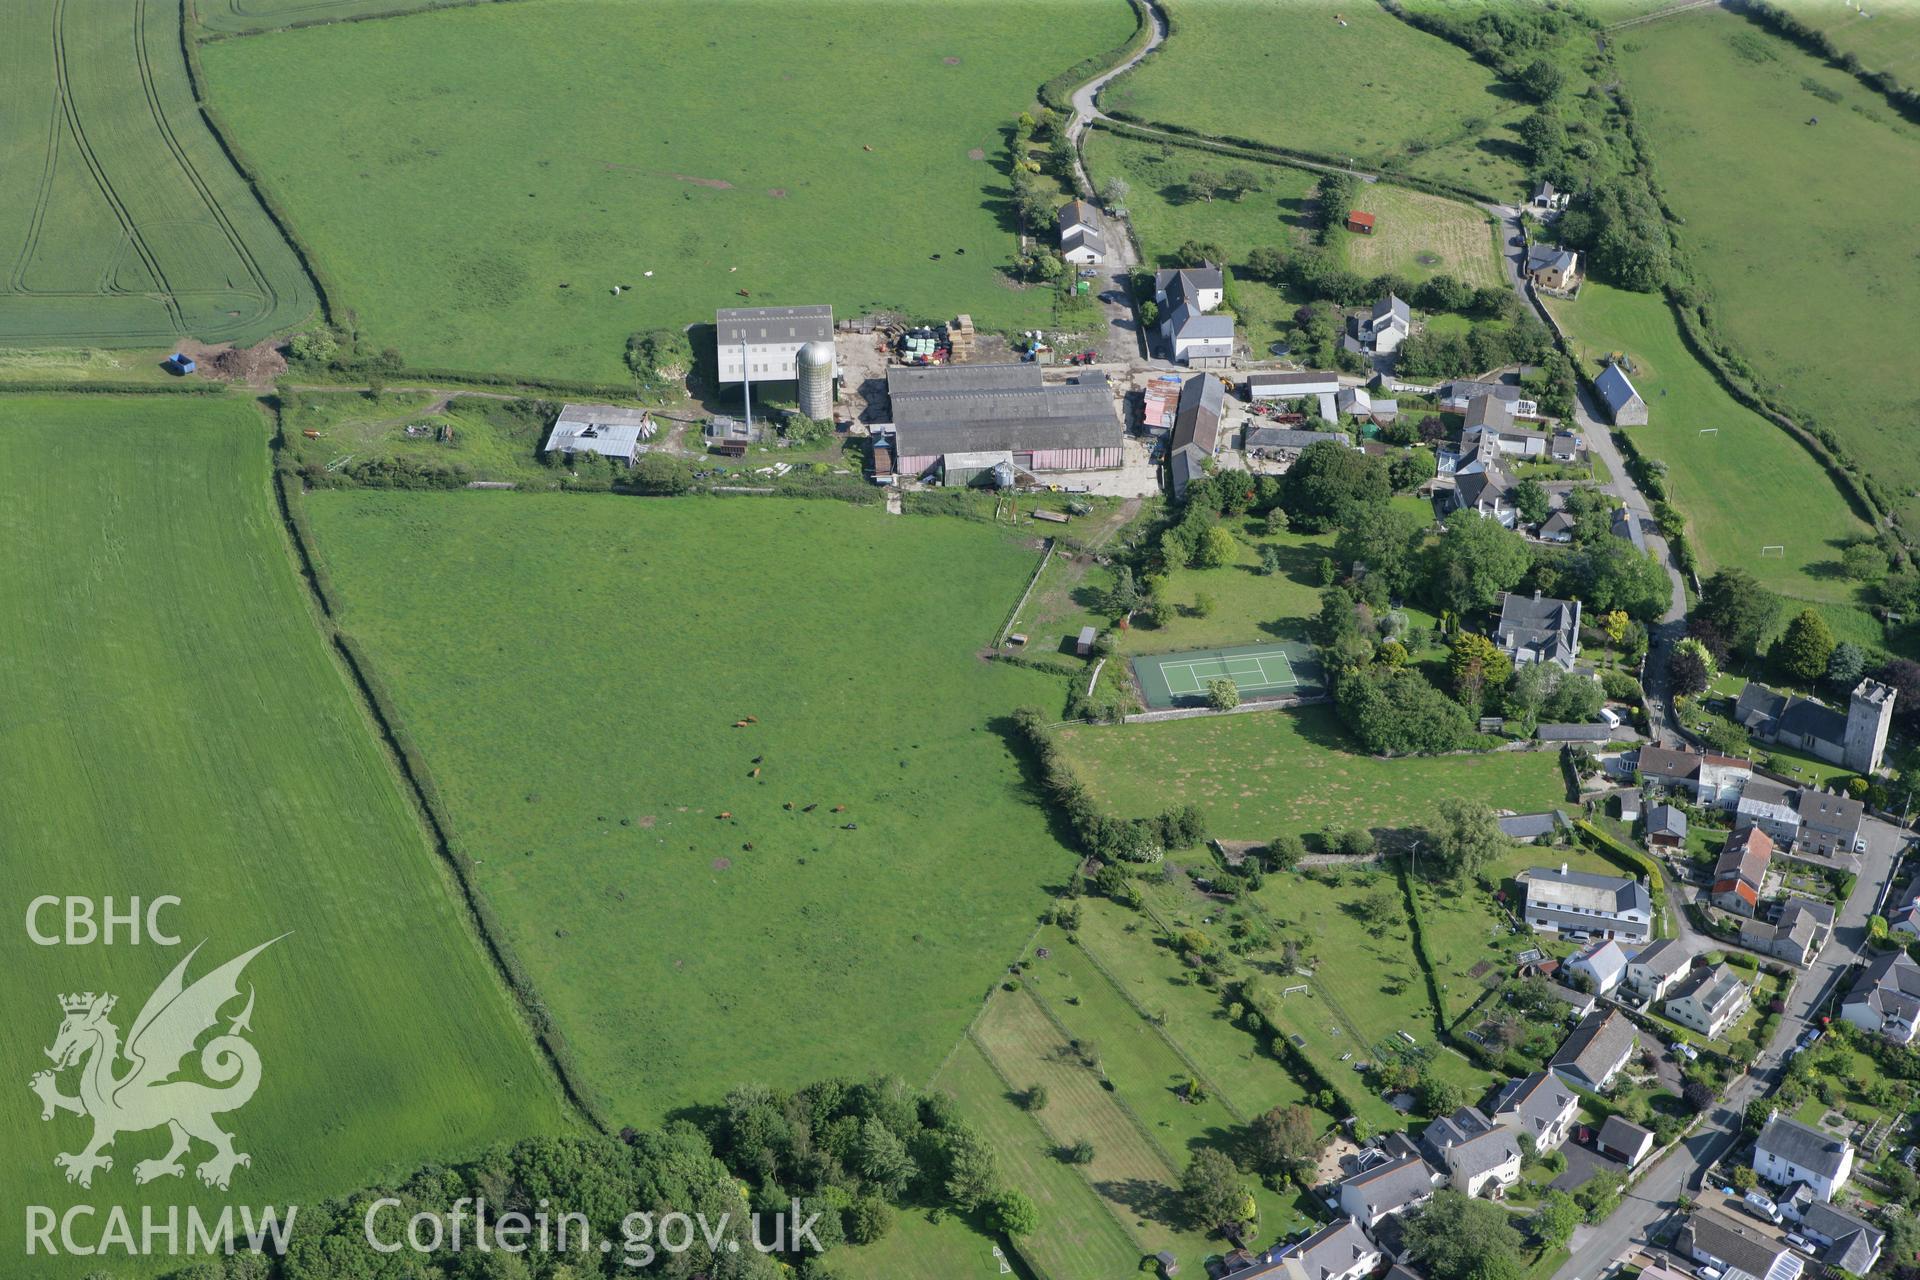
1418, 235
1884, 36
1079, 1234
1804, 284
125, 223
689, 920
1269, 772
1164, 217
919, 1249
1336, 80
478, 210
241, 17
175, 725
1730, 480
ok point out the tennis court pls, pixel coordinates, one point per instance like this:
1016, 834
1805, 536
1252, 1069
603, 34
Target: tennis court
1258, 671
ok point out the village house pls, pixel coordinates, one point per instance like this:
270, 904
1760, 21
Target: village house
758, 344
1485, 1164
1624, 406
1186, 296
1803, 820
1489, 422
1624, 1140
1595, 1051
1603, 964
1203, 288
1083, 240
973, 409
1539, 1106
1709, 1000
1583, 902
1383, 329
1458, 395
1796, 934
1656, 967
1539, 628
1788, 1152
1196, 431
1730, 1245
1552, 268
1337, 1251
1856, 740
1548, 200
1487, 492
1711, 780
1386, 1189
1885, 998
1845, 1241
1741, 872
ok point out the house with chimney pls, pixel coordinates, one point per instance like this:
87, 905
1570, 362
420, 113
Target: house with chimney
1740, 874
1788, 1152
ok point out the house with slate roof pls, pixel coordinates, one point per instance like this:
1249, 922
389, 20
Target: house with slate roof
1788, 1152
1624, 406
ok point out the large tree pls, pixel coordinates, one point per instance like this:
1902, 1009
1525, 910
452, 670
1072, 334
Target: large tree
1691, 668
1453, 1237
1473, 562
1329, 484
1465, 838
1211, 1190
1383, 539
1396, 712
1740, 610
1610, 574
1478, 667
1285, 1140
1805, 649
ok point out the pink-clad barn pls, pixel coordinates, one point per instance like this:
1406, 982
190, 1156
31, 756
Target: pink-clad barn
1002, 408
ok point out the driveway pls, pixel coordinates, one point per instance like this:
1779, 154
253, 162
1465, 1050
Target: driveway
1583, 1163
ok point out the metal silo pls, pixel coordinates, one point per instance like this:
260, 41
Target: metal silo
813, 369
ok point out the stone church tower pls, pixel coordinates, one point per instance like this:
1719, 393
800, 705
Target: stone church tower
1868, 717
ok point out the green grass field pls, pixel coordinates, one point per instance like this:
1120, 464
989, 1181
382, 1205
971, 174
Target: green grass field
1884, 36
572, 668
1417, 235
1258, 775
1336, 80
1787, 221
175, 725
125, 223
241, 17
1730, 483
478, 209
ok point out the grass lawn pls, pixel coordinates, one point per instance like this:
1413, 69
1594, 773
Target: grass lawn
1249, 605
1164, 217
1884, 38
1781, 222
477, 193
1417, 235
572, 667
1080, 1234
1729, 483
1361, 84
175, 725
920, 1249
1262, 774
242, 16
125, 221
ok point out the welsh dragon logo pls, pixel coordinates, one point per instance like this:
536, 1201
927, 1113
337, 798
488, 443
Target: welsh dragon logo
146, 1095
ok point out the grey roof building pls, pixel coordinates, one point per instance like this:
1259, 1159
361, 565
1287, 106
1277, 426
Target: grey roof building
605, 429
1846, 1242
1277, 385
989, 407
1885, 998
1625, 408
1716, 1239
1534, 826
1372, 1194
1290, 439
1624, 1139
1787, 1152
1539, 628
1595, 1050
1196, 429
1541, 1106
1338, 1251
1667, 823
1585, 902
760, 342
1573, 732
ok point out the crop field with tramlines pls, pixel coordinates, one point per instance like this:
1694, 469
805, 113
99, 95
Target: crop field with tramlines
122, 223
175, 725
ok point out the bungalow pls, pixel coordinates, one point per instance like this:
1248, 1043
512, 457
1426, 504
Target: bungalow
1386, 1189
1558, 527
1709, 1001
1552, 268
1788, 1152
1539, 629
1083, 240
1624, 406
1845, 1241
1540, 1106
1583, 902
1885, 999
1656, 967
1624, 1140
1548, 200
1729, 1245
1666, 827
1796, 934
1712, 780
1741, 872
1602, 963
1593, 1053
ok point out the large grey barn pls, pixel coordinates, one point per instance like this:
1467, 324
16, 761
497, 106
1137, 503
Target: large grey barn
995, 408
